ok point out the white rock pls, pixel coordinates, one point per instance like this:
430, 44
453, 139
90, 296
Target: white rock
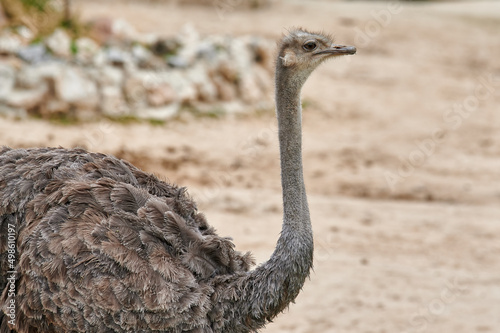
113, 103
161, 95
185, 90
161, 113
111, 81
111, 76
243, 61
7, 80
146, 38
87, 49
25, 33
241, 55
190, 39
135, 91
225, 90
34, 54
140, 53
27, 99
47, 70
54, 106
120, 58
249, 89
198, 76
73, 87
100, 58
123, 30
144, 58
59, 43
235, 107
28, 77
10, 43
12, 113
227, 68
264, 81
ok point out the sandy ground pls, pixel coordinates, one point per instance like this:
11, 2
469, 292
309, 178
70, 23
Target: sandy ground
402, 160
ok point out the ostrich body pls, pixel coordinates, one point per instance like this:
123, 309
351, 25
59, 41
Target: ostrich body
102, 246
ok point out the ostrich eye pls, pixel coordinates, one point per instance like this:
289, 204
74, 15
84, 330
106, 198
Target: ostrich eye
309, 46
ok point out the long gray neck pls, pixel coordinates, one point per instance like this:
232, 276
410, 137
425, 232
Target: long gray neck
253, 299
289, 113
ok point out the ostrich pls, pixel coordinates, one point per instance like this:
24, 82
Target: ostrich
102, 246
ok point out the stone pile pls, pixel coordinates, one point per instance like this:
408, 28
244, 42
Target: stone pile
132, 75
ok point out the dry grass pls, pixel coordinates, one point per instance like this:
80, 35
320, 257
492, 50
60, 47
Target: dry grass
43, 16
41, 19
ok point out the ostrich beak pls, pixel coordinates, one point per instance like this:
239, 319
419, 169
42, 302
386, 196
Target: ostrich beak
335, 50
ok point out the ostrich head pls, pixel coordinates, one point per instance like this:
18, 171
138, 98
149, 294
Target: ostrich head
302, 51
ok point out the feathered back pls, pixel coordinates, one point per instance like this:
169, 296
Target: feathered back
103, 246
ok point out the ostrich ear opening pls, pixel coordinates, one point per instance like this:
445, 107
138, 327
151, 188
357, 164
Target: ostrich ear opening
288, 59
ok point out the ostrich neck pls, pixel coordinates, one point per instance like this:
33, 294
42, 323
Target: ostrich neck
266, 291
289, 114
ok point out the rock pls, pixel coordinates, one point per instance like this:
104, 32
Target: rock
225, 90
206, 90
16, 96
110, 76
101, 29
264, 81
146, 38
135, 91
29, 78
249, 90
25, 33
235, 107
127, 77
161, 94
140, 53
111, 80
177, 61
27, 99
34, 54
186, 92
59, 43
123, 30
227, 68
12, 113
242, 56
9, 43
86, 49
207, 50
73, 87
146, 59
113, 103
48, 71
86, 114
161, 113
159, 88
100, 58
53, 107
166, 46
243, 63
189, 39
118, 57
263, 52
7, 80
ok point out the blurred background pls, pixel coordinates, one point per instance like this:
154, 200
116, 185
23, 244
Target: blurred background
401, 141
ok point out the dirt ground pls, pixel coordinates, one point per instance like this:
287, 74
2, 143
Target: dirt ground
401, 153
